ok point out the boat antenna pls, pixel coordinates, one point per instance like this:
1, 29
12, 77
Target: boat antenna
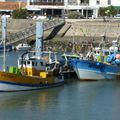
4, 27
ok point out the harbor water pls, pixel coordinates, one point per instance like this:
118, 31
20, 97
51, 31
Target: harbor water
76, 100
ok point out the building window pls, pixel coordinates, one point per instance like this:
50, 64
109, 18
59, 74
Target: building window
97, 2
109, 2
87, 1
46, 2
72, 2
84, 2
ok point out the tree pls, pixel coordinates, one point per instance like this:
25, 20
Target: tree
112, 11
19, 13
109, 11
102, 12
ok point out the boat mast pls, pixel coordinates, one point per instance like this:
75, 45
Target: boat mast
39, 38
4, 27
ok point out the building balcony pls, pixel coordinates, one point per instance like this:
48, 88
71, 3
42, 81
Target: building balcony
84, 4
47, 3
81, 4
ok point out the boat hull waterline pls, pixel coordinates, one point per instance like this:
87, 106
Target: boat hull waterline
92, 70
10, 82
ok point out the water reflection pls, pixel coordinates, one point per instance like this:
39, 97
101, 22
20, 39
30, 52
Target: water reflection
99, 100
14, 100
74, 101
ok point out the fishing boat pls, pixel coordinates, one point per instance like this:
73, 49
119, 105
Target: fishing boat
93, 70
31, 73
104, 65
67, 69
101, 63
23, 46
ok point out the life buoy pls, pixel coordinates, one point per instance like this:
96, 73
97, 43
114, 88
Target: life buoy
117, 56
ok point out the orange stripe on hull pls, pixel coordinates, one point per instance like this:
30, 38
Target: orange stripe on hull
23, 79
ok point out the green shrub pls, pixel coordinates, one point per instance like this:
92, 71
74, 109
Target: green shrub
74, 15
19, 14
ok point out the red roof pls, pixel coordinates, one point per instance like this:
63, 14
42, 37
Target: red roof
12, 5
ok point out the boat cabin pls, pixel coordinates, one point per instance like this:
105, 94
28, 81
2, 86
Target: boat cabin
32, 66
70, 56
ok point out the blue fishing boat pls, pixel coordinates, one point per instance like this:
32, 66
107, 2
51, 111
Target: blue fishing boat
93, 70
100, 64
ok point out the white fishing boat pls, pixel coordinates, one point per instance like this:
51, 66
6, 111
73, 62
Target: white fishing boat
23, 47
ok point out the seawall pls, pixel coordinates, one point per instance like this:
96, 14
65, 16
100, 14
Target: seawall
15, 25
95, 28
78, 28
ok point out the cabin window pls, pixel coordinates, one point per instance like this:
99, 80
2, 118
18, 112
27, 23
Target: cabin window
33, 63
24, 62
28, 62
21, 62
63, 57
74, 57
68, 58
41, 63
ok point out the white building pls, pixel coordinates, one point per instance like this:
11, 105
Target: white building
87, 8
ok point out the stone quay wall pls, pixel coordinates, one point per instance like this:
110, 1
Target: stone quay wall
94, 28
79, 28
16, 25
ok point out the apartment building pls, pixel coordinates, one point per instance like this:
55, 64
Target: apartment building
88, 8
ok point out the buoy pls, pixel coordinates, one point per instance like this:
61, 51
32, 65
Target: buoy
117, 56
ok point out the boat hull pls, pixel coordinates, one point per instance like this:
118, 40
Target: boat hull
69, 75
11, 87
92, 70
95, 75
12, 82
23, 48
